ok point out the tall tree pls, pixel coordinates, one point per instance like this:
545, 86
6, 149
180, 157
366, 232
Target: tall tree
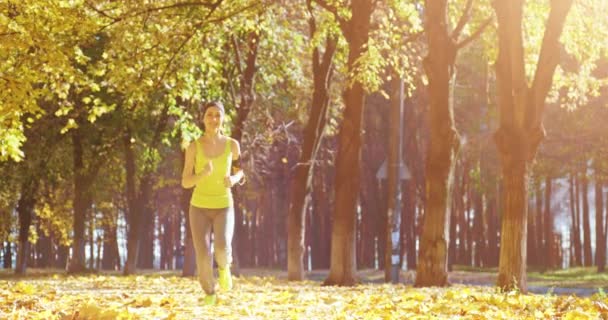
356, 32
444, 142
521, 130
322, 68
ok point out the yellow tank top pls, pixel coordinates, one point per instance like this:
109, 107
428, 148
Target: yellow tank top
210, 192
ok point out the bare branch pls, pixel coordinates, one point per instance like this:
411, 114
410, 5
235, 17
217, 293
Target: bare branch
464, 18
476, 34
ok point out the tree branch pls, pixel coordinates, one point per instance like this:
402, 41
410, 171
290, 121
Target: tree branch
208, 4
179, 49
464, 18
8, 79
101, 12
8, 34
476, 34
549, 57
334, 11
232, 14
414, 36
312, 27
237, 54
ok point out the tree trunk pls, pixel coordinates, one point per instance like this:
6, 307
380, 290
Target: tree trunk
62, 256
133, 211
313, 133
91, 240
394, 183
111, 258
588, 258
25, 210
521, 130
410, 133
442, 151
372, 223
321, 217
164, 233
409, 223
478, 229
253, 234
575, 231
605, 232
271, 230
459, 221
453, 248
578, 245
380, 227
189, 262
77, 260
532, 231
343, 263
247, 99
512, 262
8, 255
282, 214
265, 245
493, 226
373, 209
600, 236
540, 221
178, 252
550, 261
84, 177
468, 231
45, 249
145, 258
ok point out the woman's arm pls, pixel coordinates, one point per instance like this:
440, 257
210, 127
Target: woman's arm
237, 173
189, 178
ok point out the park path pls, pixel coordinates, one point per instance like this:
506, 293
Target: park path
455, 277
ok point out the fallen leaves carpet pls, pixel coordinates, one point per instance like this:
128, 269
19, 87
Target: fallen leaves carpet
174, 297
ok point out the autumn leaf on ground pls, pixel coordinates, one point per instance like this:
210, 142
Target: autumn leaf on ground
172, 297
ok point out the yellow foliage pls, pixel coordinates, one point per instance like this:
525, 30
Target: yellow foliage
171, 297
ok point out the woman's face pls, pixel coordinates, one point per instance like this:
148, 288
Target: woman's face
212, 119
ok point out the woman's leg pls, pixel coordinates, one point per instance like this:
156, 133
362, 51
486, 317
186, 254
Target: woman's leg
223, 229
200, 226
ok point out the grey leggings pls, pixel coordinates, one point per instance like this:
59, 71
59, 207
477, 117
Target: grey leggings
201, 222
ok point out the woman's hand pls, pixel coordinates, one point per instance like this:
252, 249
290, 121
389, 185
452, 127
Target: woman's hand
230, 181
207, 169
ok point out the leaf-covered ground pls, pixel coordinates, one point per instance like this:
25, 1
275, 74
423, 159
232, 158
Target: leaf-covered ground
172, 297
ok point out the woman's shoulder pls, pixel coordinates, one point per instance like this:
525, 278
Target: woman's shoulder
232, 141
234, 144
191, 146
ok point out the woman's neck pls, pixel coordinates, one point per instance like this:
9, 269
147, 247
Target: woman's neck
212, 134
